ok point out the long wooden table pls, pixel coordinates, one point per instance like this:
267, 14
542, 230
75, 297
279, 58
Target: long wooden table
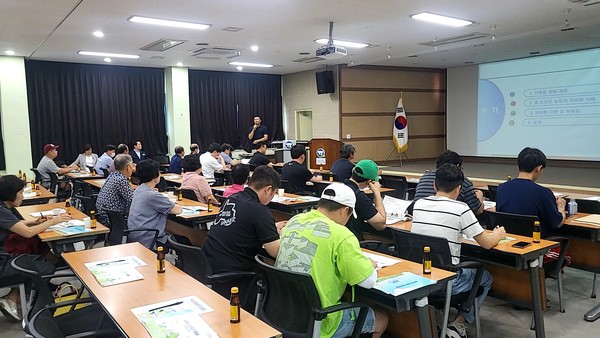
415, 299
118, 300
42, 195
57, 241
83, 176
98, 183
509, 268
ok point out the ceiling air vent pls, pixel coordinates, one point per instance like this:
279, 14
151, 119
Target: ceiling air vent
214, 53
309, 59
162, 45
455, 39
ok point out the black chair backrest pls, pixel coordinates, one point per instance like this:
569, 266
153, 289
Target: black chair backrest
492, 189
221, 179
285, 185
161, 159
162, 185
86, 188
398, 183
282, 290
53, 181
189, 194
105, 172
118, 225
87, 203
319, 187
588, 206
38, 177
512, 223
409, 245
43, 325
25, 266
192, 261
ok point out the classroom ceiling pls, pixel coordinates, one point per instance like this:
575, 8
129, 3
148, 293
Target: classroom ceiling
284, 29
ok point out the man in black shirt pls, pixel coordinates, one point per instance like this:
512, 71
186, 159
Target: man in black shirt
296, 173
258, 133
260, 157
366, 175
342, 168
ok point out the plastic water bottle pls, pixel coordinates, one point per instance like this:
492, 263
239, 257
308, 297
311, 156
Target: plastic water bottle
572, 207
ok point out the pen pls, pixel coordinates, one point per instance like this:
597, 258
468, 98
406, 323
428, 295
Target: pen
165, 306
111, 262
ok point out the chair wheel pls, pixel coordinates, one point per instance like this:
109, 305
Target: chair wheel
562, 311
593, 296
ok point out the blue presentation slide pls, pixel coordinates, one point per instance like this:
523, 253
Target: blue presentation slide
549, 102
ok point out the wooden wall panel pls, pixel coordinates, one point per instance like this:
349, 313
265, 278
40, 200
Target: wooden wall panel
366, 126
378, 150
385, 78
381, 101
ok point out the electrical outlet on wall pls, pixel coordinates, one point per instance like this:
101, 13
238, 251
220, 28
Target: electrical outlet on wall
348, 136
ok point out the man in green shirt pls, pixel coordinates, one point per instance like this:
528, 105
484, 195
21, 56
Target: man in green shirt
319, 244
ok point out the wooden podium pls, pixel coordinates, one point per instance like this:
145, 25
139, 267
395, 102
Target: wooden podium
323, 152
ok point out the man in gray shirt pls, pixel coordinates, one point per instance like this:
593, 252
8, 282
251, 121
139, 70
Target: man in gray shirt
47, 165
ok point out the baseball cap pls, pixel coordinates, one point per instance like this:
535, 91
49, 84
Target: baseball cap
367, 169
49, 147
340, 193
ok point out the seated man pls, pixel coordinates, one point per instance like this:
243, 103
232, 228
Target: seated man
296, 172
523, 196
175, 165
138, 153
116, 193
319, 244
244, 226
192, 180
240, 175
194, 149
47, 165
443, 216
473, 197
226, 150
121, 149
212, 161
366, 175
342, 168
149, 208
106, 160
260, 156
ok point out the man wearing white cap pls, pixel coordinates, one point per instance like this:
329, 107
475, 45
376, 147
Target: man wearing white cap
318, 243
47, 165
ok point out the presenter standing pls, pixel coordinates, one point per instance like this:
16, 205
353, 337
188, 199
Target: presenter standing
258, 132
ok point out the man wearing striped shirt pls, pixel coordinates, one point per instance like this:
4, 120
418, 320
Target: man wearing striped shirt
443, 216
468, 194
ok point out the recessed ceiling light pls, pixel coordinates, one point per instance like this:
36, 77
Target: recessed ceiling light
344, 43
250, 64
441, 19
107, 60
98, 34
179, 64
254, 48
9, 52
169, 23
113, 55
240, 68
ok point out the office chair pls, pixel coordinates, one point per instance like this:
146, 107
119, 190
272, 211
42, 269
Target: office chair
590, 207
105, 172
162, 185
220, 179
291, 304
193, 261
409, 245
68, 324
492, 190
87, 203
161, 159
11, 281
398, 183
319, 187
523, 225
285, 185
38, 177
55, 186
189, 194
118, 229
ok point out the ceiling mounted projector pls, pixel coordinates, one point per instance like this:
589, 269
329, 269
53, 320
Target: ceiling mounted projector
331, 51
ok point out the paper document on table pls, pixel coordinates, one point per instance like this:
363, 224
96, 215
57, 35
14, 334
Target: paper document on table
308, 199
117, 270
45, 213
279, 199
401, 283
590, 219
395, 209
174, 176
381, 261
192, 210
29, 194
489, 204
176, 318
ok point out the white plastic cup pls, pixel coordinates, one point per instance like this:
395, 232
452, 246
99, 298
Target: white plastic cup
56, 212
87, 222
280, 192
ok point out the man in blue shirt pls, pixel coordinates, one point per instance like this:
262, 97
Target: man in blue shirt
175, 165
106, 160
258, 133
523, 196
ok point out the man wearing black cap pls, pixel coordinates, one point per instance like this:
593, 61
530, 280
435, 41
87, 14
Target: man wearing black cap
47, 165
